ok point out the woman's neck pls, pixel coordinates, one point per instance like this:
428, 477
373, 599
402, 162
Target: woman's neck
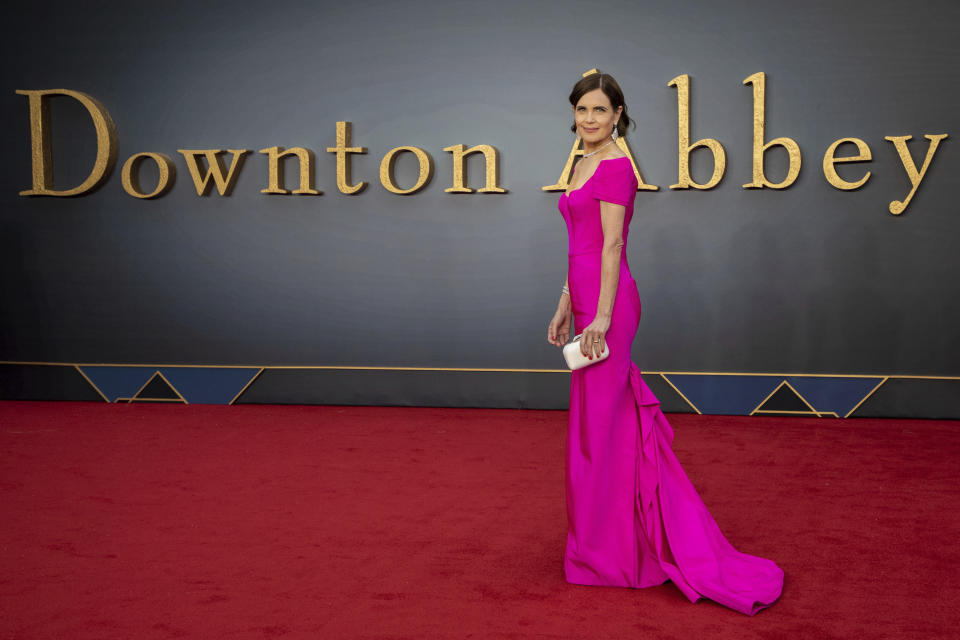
588, 149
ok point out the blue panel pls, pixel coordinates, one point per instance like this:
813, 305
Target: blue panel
118, 382
833, 394
728, 395
208, 385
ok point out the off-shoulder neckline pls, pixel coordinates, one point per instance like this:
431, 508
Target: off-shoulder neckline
597, 168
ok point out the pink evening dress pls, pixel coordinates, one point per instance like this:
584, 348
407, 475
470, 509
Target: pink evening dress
634, 518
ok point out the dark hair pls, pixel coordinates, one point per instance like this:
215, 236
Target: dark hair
609, 86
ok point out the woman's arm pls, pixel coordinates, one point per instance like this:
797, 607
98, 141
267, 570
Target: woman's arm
558, 332
611, 218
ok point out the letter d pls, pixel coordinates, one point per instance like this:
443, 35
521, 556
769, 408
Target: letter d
40, 142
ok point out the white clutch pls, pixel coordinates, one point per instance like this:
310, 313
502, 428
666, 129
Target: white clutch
576, 360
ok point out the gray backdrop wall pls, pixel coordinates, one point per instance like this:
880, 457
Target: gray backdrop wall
806, 280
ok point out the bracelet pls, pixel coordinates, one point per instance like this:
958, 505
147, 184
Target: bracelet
566, 290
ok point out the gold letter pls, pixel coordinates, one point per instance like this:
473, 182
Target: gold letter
40, 143
684, 180
829, 159
165, 168
275, 170
564, 181
386, 169
343, 160
759, 148
900, 142
214, 168
492, 162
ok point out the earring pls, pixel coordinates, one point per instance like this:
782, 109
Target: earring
614, 132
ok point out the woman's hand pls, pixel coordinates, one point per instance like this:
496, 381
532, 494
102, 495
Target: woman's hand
594, 337
558, 333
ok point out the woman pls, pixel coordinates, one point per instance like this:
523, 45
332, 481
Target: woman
634, 518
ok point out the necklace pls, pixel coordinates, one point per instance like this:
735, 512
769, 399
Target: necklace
587, 155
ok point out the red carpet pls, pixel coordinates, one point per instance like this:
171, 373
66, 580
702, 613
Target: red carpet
206, 521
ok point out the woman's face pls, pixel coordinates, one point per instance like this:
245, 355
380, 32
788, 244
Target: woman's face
595, 116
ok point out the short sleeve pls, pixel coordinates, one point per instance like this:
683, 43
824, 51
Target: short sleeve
615, 182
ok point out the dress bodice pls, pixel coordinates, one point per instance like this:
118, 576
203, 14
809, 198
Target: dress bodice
612, 181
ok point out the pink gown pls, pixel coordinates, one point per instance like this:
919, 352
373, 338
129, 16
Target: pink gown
634, 518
